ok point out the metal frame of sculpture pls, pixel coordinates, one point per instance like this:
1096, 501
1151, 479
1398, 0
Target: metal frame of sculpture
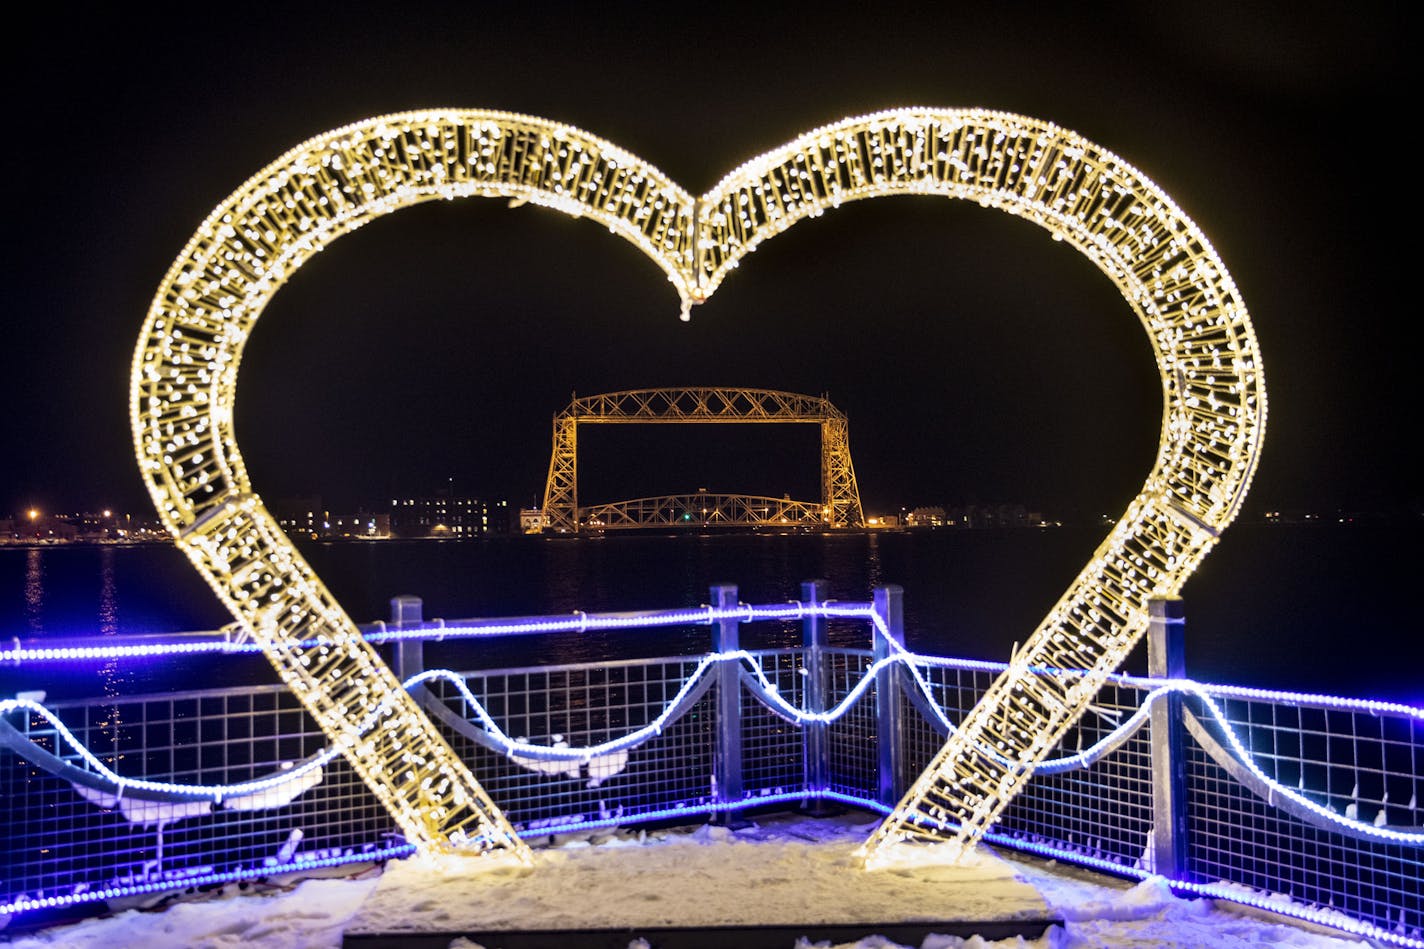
840, 496
183, 388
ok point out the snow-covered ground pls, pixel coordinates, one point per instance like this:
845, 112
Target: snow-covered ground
1098, 911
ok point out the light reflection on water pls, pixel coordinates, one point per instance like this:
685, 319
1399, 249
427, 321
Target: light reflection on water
34, 591
874, 575
108, 604
968, 593
116, 677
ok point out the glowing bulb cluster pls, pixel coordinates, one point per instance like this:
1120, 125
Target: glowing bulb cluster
183, 387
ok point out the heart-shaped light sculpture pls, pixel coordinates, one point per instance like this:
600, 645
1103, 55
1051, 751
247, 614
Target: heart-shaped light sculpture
184, 379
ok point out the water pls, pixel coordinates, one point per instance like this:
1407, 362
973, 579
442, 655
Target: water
1305, 607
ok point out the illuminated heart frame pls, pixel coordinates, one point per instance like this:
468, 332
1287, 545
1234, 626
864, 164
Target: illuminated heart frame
184, 379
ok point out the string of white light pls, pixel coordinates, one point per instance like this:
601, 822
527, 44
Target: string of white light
183, 391
578, 622
771, 696
214, 792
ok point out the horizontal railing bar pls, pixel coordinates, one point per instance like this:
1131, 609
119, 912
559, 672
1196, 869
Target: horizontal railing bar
226, 640
1294, 699
280, 689
641, 619
1313, 700
218, 692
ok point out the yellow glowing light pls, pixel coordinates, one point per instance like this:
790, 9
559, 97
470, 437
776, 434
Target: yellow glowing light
184, 378
840, 495
33, 512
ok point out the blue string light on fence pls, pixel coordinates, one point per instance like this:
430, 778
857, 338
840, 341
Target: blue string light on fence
769, 694
578, 622
283, 783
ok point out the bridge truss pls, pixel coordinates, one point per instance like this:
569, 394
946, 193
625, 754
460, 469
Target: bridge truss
184, 379
839, 505
703, 510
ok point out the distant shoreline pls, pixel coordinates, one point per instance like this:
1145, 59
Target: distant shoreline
1337, 520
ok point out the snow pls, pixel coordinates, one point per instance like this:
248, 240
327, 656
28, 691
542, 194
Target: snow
799, 873
144, 812
277, 795
600, 767
740, 873
311, 914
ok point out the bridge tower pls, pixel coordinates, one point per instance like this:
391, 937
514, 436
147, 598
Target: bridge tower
840, 495
839, 492
561, 489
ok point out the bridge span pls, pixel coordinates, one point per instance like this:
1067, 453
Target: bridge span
838, 506
702, 510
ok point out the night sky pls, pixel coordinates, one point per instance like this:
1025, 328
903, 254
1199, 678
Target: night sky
977, 359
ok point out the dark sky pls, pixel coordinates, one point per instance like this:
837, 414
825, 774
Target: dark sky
976, 358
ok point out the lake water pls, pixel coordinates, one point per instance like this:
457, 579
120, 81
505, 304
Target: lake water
1313, 607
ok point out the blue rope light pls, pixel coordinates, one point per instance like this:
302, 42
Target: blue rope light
770, 695
1329, 918
18, 654
1332, 919
1089, 755
298, 864
578, 622
763, 688
214, 792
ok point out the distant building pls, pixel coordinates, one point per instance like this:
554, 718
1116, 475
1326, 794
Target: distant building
532, 520
361, 525
444, 515
103, 527
992, 515
300, 517
927, 517
977, 516
94, 526
35, 526
305, 517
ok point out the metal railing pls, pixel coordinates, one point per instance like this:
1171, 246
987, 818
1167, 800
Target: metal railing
1306, 805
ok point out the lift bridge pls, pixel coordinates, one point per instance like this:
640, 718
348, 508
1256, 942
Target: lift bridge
839, 504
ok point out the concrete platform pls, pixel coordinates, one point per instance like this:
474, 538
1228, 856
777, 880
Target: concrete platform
767, 885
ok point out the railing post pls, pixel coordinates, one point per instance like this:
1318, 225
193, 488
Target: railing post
727, 760
817, 765
1166, 659
406, 610
889, 606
